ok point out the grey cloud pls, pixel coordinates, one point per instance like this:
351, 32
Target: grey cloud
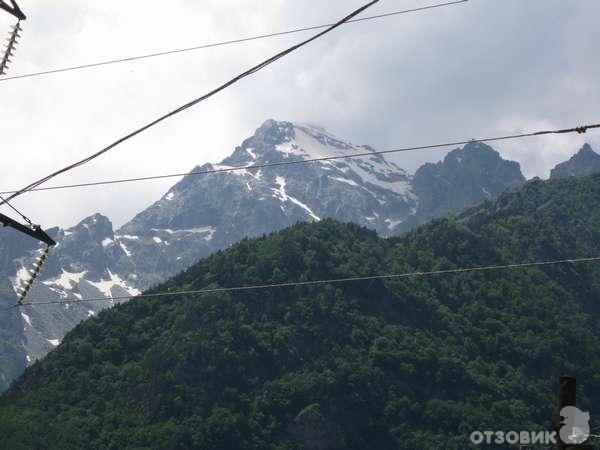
478, 69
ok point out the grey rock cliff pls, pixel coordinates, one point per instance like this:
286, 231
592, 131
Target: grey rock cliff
585, 162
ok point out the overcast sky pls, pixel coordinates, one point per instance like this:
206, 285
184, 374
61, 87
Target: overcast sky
482, 68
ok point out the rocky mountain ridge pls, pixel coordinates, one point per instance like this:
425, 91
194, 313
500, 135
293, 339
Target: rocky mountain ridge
202, 214
585, 162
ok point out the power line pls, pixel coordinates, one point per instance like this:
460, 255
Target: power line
25, 218
188, 105
580, 129
321, 282
223, 43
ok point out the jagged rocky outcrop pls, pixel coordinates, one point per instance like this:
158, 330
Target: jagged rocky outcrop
464, 178
585, 162
84, 264
205, 213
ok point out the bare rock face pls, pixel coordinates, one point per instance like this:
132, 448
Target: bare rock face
464, 178
585, 162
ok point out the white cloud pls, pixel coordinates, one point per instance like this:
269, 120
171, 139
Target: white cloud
481, 68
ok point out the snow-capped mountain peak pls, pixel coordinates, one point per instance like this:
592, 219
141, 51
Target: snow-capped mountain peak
276, 142
204, 213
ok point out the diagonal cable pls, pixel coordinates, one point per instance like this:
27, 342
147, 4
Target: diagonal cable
223, 43
188, 105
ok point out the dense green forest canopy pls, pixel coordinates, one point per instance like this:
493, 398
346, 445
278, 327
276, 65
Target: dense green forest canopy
398, 364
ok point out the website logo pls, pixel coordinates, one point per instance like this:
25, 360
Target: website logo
575, 425
574, 429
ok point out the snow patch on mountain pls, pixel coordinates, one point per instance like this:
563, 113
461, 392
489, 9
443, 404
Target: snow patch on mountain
393, 223
373, 170
128, 236
306, 146
368, 172
281, 194
208, 231
105, 286
66, 280
179, 234
107, 242
20, 278
345, 180
125, 249
26, 318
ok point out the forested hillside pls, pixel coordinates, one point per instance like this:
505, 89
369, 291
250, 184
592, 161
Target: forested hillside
408, 363
202, 214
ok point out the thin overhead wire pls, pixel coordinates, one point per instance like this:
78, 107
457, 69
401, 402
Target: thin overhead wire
25, 218
223, 43
318, 282
580, 129
194, 102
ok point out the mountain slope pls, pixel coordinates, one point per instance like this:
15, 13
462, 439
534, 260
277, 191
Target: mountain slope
407, 364
464, 178
202, 214
585, 162
12, 358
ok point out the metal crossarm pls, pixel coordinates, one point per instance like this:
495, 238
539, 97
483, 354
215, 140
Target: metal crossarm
35, 231
14, 9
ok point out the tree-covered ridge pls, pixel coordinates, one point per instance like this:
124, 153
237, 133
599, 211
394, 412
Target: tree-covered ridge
410, 364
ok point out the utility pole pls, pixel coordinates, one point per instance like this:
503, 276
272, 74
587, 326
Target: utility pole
34, 231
